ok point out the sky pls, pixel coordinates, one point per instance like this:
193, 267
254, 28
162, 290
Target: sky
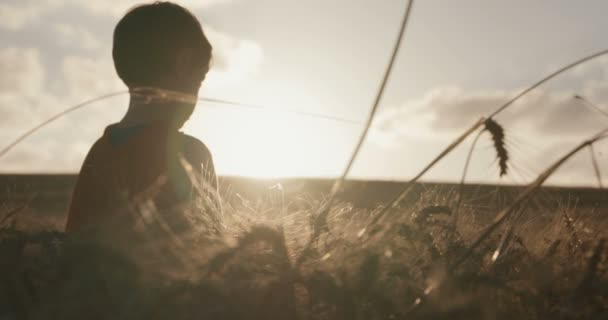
459, 61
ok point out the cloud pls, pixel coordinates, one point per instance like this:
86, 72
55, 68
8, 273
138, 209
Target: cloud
548, 112
71, 36
542, 112
120, 7
46, 155
29, 93
89, 76
22, 77
540, 128
17, 14
21, 71
27, 98
234, 60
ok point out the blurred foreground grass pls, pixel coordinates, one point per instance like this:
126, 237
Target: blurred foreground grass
554, 265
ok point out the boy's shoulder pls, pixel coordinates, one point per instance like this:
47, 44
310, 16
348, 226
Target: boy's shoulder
114, 136
195, 149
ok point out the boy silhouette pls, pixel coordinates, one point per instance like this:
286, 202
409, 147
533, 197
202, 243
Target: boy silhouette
141, 158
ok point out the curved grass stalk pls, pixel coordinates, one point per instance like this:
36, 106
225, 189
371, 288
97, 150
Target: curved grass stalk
547, 78
530, 189
338, 184
31, 131
465, 170
591, 105
505, 213
149, 95
598, 176
596, 167
469, 131
287, 111
504, 241
411, 183
320, 222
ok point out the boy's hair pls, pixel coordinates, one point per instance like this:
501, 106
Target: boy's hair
147, 39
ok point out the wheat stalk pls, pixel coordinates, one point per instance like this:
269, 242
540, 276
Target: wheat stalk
575, 243
320, 222
498, 137
530, 189
596, 168
505, 213
410, 184
478, 124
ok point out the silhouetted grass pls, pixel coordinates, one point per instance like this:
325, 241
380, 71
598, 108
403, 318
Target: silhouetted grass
249, 271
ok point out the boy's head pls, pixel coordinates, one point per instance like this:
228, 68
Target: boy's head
161, 45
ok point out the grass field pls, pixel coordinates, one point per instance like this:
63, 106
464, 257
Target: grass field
550, 262
319, 249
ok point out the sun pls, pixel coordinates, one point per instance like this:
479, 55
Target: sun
268, 143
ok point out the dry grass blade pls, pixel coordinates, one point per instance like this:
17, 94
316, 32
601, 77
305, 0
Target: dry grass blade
503, 107
467, 162
31, 131
320, 222
502, 244
575, 241
591, 105
552, 249
465, 170
505, 213
12, 213
338, 184
498, 137
547, 78
408, 186
149, 95
596, 167
152, 94
592, 268
445, 152
530, 189
506, 238
15, 211
283, 110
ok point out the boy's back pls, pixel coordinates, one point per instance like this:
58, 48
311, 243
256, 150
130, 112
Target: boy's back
130, 164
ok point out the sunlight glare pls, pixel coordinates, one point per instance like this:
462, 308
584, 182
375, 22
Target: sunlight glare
268, 143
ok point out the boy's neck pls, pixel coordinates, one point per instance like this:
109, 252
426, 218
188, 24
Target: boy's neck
152, 113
